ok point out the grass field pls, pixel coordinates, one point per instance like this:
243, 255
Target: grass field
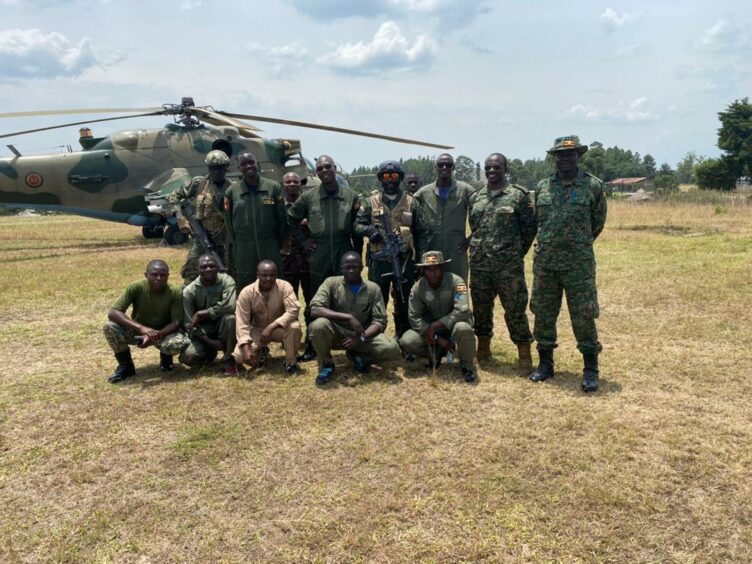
393, 466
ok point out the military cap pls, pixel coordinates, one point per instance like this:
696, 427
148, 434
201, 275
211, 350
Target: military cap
217, 158
566, 143
432, 258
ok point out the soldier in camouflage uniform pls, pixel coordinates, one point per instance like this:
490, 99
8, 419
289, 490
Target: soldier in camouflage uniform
156, 319
440, 316
502, 226
207, 193
209, 314
256, 220
570, 207
400, 207
442, 216
331, 210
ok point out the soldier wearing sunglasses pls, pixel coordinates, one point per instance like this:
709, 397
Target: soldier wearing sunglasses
400, 207
442, 216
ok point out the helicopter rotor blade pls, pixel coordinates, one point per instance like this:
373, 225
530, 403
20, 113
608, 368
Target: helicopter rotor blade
88, 121
335, 129
215, 118
80, 111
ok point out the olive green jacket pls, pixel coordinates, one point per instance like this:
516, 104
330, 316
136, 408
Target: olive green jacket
449, 303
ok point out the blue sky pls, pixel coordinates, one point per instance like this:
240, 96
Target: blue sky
484, 76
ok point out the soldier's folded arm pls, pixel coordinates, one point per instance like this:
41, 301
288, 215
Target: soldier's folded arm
599, 211
527, 222
460, 308
243, 318
226, 303
363, 220
295, 213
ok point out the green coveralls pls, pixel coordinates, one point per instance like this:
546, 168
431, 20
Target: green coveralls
256, 224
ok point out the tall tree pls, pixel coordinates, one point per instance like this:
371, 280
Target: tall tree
735, 137
649, 163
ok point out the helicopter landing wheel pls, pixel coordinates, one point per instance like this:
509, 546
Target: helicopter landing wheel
152, 231
173, 235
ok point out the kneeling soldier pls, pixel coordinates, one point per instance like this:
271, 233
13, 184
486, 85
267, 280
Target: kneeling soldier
156, 319
267, 311
440, 317
209, 306
349, 313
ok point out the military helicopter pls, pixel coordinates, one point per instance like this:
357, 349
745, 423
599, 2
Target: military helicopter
127, 176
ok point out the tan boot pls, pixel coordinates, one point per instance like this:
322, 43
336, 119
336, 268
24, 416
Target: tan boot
484, 348
525, 359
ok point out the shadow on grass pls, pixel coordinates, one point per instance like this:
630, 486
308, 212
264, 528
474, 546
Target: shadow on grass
345, 376
571, 382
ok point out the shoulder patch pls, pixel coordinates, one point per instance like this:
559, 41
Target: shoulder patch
461, 288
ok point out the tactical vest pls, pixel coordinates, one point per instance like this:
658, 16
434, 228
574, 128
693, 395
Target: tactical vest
209, 210
400, 219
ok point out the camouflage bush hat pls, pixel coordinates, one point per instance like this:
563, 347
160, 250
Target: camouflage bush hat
217, 158
432, 258
566, 143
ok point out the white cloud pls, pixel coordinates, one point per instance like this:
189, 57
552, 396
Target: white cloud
388, 49
636, 111
281, 59
725, 35
31, 53
191, 5
613, 19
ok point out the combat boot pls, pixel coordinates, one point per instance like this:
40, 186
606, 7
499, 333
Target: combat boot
125, 367
590, 373
524, 359
308, 354
545, 366
165, 362
484, 349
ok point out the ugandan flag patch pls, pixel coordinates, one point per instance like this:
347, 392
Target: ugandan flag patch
461, 289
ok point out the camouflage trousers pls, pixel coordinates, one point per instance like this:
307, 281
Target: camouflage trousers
327, 335
223, 329
119, 337
582, 300
413, 342
509, 284
189, 272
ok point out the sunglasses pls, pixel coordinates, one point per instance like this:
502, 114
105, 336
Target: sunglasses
323, 167
390, 176
493, 167
444, 165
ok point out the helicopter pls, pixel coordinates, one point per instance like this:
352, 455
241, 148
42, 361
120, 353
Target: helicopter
127, 176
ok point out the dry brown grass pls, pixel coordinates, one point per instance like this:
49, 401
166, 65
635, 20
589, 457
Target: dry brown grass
392, 466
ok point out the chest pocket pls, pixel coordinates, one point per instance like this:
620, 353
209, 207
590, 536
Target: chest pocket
204, 205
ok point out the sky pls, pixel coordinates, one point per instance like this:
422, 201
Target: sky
483, 76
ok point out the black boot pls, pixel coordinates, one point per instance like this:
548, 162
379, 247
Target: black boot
165, 362
545, 366
125, 367
308, 354
590, 373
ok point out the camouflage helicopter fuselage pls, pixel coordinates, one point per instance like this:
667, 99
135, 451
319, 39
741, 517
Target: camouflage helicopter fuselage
125, 176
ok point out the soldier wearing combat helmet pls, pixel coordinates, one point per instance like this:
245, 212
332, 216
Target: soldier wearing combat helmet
570, 207
207, 196
401, 210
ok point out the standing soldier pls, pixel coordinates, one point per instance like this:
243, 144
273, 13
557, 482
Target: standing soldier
442, 216
207, 193
209, 316
570, 207
440, 317
412, 182
255, 216
400, 209
330, 210
294, 259
502, 226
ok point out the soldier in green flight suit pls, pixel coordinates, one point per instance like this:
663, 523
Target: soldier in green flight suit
570, 207
207, 193
442, 216
401, 209
256, 220
331, 210
440, 316
502, 229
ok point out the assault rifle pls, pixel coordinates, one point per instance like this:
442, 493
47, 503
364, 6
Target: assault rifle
200, 233
394, 247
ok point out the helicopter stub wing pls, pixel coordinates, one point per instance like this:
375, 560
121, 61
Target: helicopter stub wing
161, 186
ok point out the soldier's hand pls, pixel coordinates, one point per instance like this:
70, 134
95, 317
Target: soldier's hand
266, 336
374, 235
349, 343
431, 331
464, 244
310, 246
356, 326
149, 334
445, 344
216, 344
247, 356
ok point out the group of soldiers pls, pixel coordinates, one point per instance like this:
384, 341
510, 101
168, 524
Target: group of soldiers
276, 240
